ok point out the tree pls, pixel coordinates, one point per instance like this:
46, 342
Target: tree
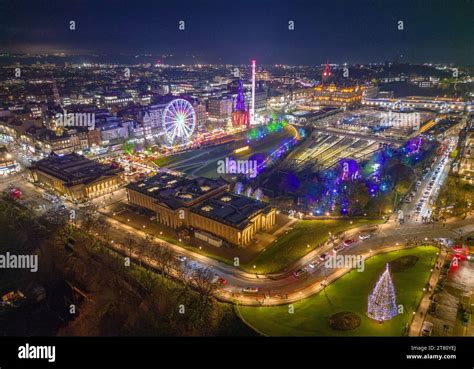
163, 256
382, 304
203, 281
128, 147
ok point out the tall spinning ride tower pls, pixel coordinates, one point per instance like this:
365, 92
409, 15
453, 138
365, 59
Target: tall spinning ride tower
252, 106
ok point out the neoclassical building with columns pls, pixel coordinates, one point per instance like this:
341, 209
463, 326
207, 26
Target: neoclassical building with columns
76, 177
202, 204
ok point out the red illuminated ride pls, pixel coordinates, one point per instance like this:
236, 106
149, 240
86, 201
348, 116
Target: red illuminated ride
460, 252
15, 193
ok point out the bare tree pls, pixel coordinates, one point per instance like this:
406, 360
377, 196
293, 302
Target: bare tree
183, 272
163, 256
203, 282
131, 244
88, 219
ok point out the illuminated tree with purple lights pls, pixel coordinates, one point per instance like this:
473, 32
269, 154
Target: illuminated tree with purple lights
382, 304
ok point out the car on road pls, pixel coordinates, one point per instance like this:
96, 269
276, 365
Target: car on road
250, 289
323, 256
427, 329
338, 248
219, 280
314, 263
299, 272
222, 280
180, 257
348, 242
364, 236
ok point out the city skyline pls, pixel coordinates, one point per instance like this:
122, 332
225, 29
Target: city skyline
230, 172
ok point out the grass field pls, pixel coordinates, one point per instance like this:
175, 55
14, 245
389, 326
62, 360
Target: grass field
349, 293
293, 245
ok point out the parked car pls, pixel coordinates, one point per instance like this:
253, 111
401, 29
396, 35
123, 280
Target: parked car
348, 242
427, 329
338, 248
219, 280
222, 280
299, 272
364, 236
250, 289
323, 256
314, 263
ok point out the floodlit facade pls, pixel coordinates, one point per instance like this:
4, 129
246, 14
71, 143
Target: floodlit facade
76, 177
202, 204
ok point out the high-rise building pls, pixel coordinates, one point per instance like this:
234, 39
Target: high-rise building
201, 117
220, 108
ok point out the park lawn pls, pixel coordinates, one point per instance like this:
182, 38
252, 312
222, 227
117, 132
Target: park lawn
162, 161
293, 245
349, 293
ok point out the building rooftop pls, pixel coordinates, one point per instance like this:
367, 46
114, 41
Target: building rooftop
5, 156
74, 169
177, 190
231, 209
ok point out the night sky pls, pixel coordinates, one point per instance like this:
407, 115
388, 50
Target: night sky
233, 31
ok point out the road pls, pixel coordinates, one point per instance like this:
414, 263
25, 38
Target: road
284, 287
420, 208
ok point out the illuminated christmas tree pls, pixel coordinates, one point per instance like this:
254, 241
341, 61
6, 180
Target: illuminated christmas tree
382, 304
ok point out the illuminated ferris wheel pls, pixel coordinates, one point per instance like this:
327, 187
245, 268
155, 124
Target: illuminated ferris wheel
179, 121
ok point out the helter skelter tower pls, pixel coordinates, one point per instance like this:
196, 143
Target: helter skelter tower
240, 116
382, 305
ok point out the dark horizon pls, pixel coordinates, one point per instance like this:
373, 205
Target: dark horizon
223, 32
